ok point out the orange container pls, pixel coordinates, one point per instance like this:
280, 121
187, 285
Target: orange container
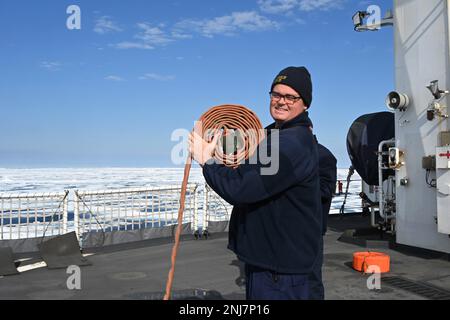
362, 261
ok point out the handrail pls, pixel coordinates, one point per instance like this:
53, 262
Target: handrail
7, 196
25, 216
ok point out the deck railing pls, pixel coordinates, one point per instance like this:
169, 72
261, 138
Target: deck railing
217, 209
131, 209
34, 215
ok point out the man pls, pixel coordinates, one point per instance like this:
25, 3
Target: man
328, 177
276, 223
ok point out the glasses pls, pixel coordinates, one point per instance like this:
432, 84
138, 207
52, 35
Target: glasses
290, 99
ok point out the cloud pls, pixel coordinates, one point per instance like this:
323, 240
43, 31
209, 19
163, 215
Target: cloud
150, 36
277, 6
133, 45
178, 33
229, 25
105, 25
147, 38
114, 78
310, 5
289, 6
157, 77
51, 65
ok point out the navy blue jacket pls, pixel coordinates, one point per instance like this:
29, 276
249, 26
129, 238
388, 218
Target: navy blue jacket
276, 222
328, 178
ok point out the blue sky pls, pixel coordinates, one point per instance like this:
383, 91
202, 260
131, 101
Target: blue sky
112, 93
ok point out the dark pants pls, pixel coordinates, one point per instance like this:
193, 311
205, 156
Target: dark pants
263, 284
316, 289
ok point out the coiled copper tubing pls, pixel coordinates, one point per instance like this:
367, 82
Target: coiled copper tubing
241, 133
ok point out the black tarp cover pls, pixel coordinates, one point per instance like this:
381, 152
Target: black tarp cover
363, 138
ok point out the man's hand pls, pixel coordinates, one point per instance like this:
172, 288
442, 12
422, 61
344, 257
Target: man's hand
200, 149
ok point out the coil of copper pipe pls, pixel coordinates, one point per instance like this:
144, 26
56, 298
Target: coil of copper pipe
242, 132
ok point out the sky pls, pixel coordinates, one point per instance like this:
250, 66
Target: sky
111, 93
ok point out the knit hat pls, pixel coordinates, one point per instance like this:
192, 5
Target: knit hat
299, 79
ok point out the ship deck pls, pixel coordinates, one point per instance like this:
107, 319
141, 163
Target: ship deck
139, 270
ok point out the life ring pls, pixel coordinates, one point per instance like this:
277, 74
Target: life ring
363, 260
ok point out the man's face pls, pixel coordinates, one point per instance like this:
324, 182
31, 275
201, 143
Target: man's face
282, 110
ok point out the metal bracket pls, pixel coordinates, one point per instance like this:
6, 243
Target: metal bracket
359, 17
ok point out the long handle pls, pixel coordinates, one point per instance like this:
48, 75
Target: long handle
187, 169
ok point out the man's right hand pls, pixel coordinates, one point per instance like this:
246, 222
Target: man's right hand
200, 149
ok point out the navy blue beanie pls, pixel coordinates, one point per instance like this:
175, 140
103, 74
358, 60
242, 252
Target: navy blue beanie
299, 79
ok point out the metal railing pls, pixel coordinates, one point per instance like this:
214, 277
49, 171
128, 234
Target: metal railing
131, 209
217, 209
25, 216
33, 215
